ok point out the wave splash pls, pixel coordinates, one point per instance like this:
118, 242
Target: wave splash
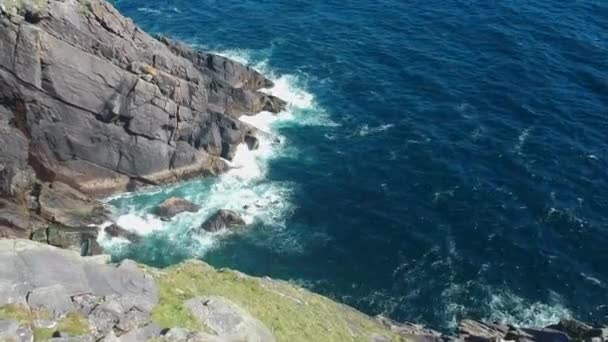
244, 188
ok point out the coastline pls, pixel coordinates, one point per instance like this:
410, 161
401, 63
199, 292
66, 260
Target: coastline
76, 232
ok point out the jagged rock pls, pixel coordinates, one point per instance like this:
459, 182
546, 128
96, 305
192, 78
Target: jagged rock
115, 230
26, 266
228, 320
183, 335
469, 330
378, 338
16, 221
53, 299
221, 220
252, 142
412, 332
141, 334
174, 206
133, 319
580, 331
62, 204
104, 104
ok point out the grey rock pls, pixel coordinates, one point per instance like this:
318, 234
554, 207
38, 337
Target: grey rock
141, 334
173, 206
54, 299
11, 330
412, 332
378, 338
109, 337
469, 330
104, 293
112, 103
221, 220
115, 230
536, 334
133, 319
579, 330
227, 319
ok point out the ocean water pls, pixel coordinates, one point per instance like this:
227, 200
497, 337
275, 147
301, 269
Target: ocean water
439, 159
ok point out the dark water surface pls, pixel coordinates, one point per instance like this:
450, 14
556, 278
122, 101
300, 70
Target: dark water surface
449, 159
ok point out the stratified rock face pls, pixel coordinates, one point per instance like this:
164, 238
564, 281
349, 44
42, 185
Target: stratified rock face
173, 206
66, 294
89, 99
221, 220
90, 105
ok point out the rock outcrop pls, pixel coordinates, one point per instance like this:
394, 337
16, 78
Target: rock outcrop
223, 219
91, 105
173, 206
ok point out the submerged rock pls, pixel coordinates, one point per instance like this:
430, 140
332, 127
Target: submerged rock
221, 220
174, 206
117, 231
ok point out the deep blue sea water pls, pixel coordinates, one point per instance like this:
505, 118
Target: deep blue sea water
441, 159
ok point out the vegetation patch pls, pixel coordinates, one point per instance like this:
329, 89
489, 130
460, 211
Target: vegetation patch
291, 313
72, 324
13, 7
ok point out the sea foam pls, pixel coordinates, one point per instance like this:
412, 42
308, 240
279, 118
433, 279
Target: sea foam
244, 188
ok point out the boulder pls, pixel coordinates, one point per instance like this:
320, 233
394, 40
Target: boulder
223, 219
174, 206
115, 230
11, 330
64, 205
579, 331
412, 332
53, 299
228, 320
469, 330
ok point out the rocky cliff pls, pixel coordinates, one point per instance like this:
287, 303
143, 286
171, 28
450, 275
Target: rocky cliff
47, 293
90, 105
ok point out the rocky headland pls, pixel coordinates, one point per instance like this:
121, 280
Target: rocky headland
91, 105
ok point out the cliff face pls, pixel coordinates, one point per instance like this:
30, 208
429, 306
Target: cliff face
90, 101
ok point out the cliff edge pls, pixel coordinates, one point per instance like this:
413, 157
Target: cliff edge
47, 293
91, 105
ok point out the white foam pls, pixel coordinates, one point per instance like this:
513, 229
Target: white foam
141, 225
243, 188
506, 307
365, 130
148, 10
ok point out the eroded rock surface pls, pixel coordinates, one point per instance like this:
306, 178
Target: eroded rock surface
91, 105
221, 220
228, 320
173, 206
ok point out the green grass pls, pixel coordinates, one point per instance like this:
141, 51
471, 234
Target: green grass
43, 334
13, 7
73, 323
21, 314
291, 313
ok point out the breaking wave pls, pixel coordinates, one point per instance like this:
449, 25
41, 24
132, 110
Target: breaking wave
244, 188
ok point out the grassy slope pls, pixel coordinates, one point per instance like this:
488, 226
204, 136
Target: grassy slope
292, 314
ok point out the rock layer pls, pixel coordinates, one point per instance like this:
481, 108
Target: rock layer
94, 105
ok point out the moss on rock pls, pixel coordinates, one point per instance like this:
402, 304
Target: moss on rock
291, 313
